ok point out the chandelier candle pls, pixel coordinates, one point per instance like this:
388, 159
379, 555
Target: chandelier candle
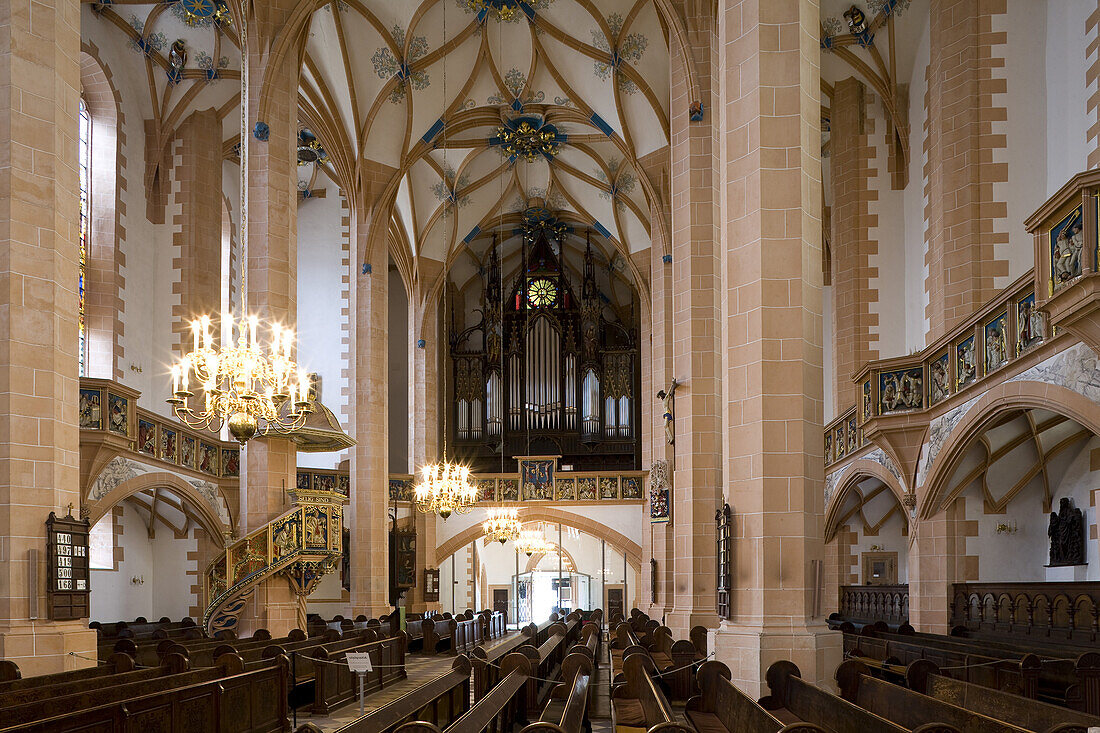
250, 391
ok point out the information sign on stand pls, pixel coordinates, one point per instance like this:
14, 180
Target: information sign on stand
360, 664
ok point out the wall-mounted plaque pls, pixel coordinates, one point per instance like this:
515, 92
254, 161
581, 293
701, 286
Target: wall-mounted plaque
431, 585
67, 577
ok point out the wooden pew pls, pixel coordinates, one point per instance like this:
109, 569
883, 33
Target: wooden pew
467, 634
545, 663
722, 708
567, 710
174, 664
236, 699
792, 698
438, 635
924, 677
486, 663
640, 702
334, 684
1041, 675
589, 643
150, 652
497, 711
115, 664
907, 708
439, 701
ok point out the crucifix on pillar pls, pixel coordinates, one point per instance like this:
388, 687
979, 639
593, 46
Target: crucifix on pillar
665, 395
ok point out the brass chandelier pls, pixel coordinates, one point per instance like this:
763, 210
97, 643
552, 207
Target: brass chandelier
503, 525
252, 391
533, 541
445, 489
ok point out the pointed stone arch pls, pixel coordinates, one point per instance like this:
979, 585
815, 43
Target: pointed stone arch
631, 549
999, 400
854, 473
203, 512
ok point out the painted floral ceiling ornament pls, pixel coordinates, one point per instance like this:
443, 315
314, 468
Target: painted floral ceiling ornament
529, 138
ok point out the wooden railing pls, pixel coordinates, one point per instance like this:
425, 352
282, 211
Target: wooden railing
1056, 611
889, 603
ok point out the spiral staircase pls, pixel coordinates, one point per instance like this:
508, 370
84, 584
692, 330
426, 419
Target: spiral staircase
299, 546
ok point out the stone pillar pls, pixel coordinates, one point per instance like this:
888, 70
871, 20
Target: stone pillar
424, 382
370, 426
938, 560
39, 473
198, 235
966, 221
694, 348
270, 93
852, 248
771, 337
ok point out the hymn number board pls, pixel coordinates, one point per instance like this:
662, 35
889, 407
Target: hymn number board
67, 568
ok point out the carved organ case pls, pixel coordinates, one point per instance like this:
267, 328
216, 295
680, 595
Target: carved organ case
550, 369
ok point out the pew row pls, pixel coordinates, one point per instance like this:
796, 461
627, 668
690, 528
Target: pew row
639, 702
497, 711
567, 709
232, 698
722, 708
924, 677
793, 699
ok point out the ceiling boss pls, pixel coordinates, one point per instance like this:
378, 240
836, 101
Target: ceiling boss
252, 391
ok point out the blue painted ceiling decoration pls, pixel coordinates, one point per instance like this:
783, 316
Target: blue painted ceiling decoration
505, 11
388, 66
629, 48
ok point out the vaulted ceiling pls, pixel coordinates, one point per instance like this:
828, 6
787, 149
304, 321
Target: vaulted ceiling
592, 75
379, 75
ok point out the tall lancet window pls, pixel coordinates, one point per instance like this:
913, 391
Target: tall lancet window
84, 163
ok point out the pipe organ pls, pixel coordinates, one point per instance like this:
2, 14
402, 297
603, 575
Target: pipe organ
546, 371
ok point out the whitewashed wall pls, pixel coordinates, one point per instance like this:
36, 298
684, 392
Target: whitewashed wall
163, 564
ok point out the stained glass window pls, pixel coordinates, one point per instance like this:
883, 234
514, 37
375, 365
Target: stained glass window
84, 162
541, 293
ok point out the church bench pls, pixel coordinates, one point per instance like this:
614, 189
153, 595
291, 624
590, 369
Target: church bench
467, 634
335, 684
722, 708
567, 709
151, 651
639, 703
141, 628
924, 677
438, 635
908, 708
793, 699
540, 632
1067, 677
439, 701
545, 662
236, 700
589, 643
175, 673
303, 654
494, 624
115, 664
173, 664
486, 663
497, 711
